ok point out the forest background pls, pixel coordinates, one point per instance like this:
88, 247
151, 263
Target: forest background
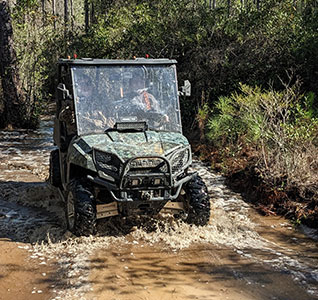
253, 65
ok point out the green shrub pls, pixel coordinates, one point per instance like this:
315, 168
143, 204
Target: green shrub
279, 127
225, 127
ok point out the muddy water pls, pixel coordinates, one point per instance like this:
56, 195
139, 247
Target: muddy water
29, 207
200, 272
239, 255
24, 154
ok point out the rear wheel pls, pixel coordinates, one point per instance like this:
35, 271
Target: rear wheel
198, 202
80, 209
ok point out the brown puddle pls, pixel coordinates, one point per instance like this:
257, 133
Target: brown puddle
205, 272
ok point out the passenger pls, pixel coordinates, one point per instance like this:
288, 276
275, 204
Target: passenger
90, 107
85, 93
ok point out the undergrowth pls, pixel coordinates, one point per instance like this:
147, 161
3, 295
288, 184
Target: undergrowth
266, 142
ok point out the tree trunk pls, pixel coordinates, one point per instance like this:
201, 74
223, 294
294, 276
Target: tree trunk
93, 20
86, 9
43, 6
43, 11
54, 13
14, 113
66, 22
72, 15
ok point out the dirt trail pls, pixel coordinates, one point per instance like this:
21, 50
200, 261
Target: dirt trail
239, 255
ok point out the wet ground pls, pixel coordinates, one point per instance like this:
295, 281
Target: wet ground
239, 255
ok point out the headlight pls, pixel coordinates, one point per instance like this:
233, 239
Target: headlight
180, 160
107, 163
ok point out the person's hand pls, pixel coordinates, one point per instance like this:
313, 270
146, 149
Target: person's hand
111, 122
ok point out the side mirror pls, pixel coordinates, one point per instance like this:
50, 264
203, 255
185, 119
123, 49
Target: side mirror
186, 88
63, 92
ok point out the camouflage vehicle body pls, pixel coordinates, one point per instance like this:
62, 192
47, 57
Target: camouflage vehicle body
131, 165
127, 145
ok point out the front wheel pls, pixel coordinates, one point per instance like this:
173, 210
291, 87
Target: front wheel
198, 202
80, 209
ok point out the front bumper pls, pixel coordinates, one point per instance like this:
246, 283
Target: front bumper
169, 193
143, 178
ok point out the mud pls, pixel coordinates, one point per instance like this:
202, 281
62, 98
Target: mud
20, 278
200, 272
239, 255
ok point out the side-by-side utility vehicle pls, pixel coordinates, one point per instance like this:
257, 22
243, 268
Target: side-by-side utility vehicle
120, 148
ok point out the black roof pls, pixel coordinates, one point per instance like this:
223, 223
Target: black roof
137, 61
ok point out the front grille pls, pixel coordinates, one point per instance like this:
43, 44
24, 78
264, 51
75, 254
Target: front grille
148, 165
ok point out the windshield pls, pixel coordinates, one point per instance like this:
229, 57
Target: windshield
108, 94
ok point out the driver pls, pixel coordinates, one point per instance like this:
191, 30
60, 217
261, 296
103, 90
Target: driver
85, 88
140, 95
145, 101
